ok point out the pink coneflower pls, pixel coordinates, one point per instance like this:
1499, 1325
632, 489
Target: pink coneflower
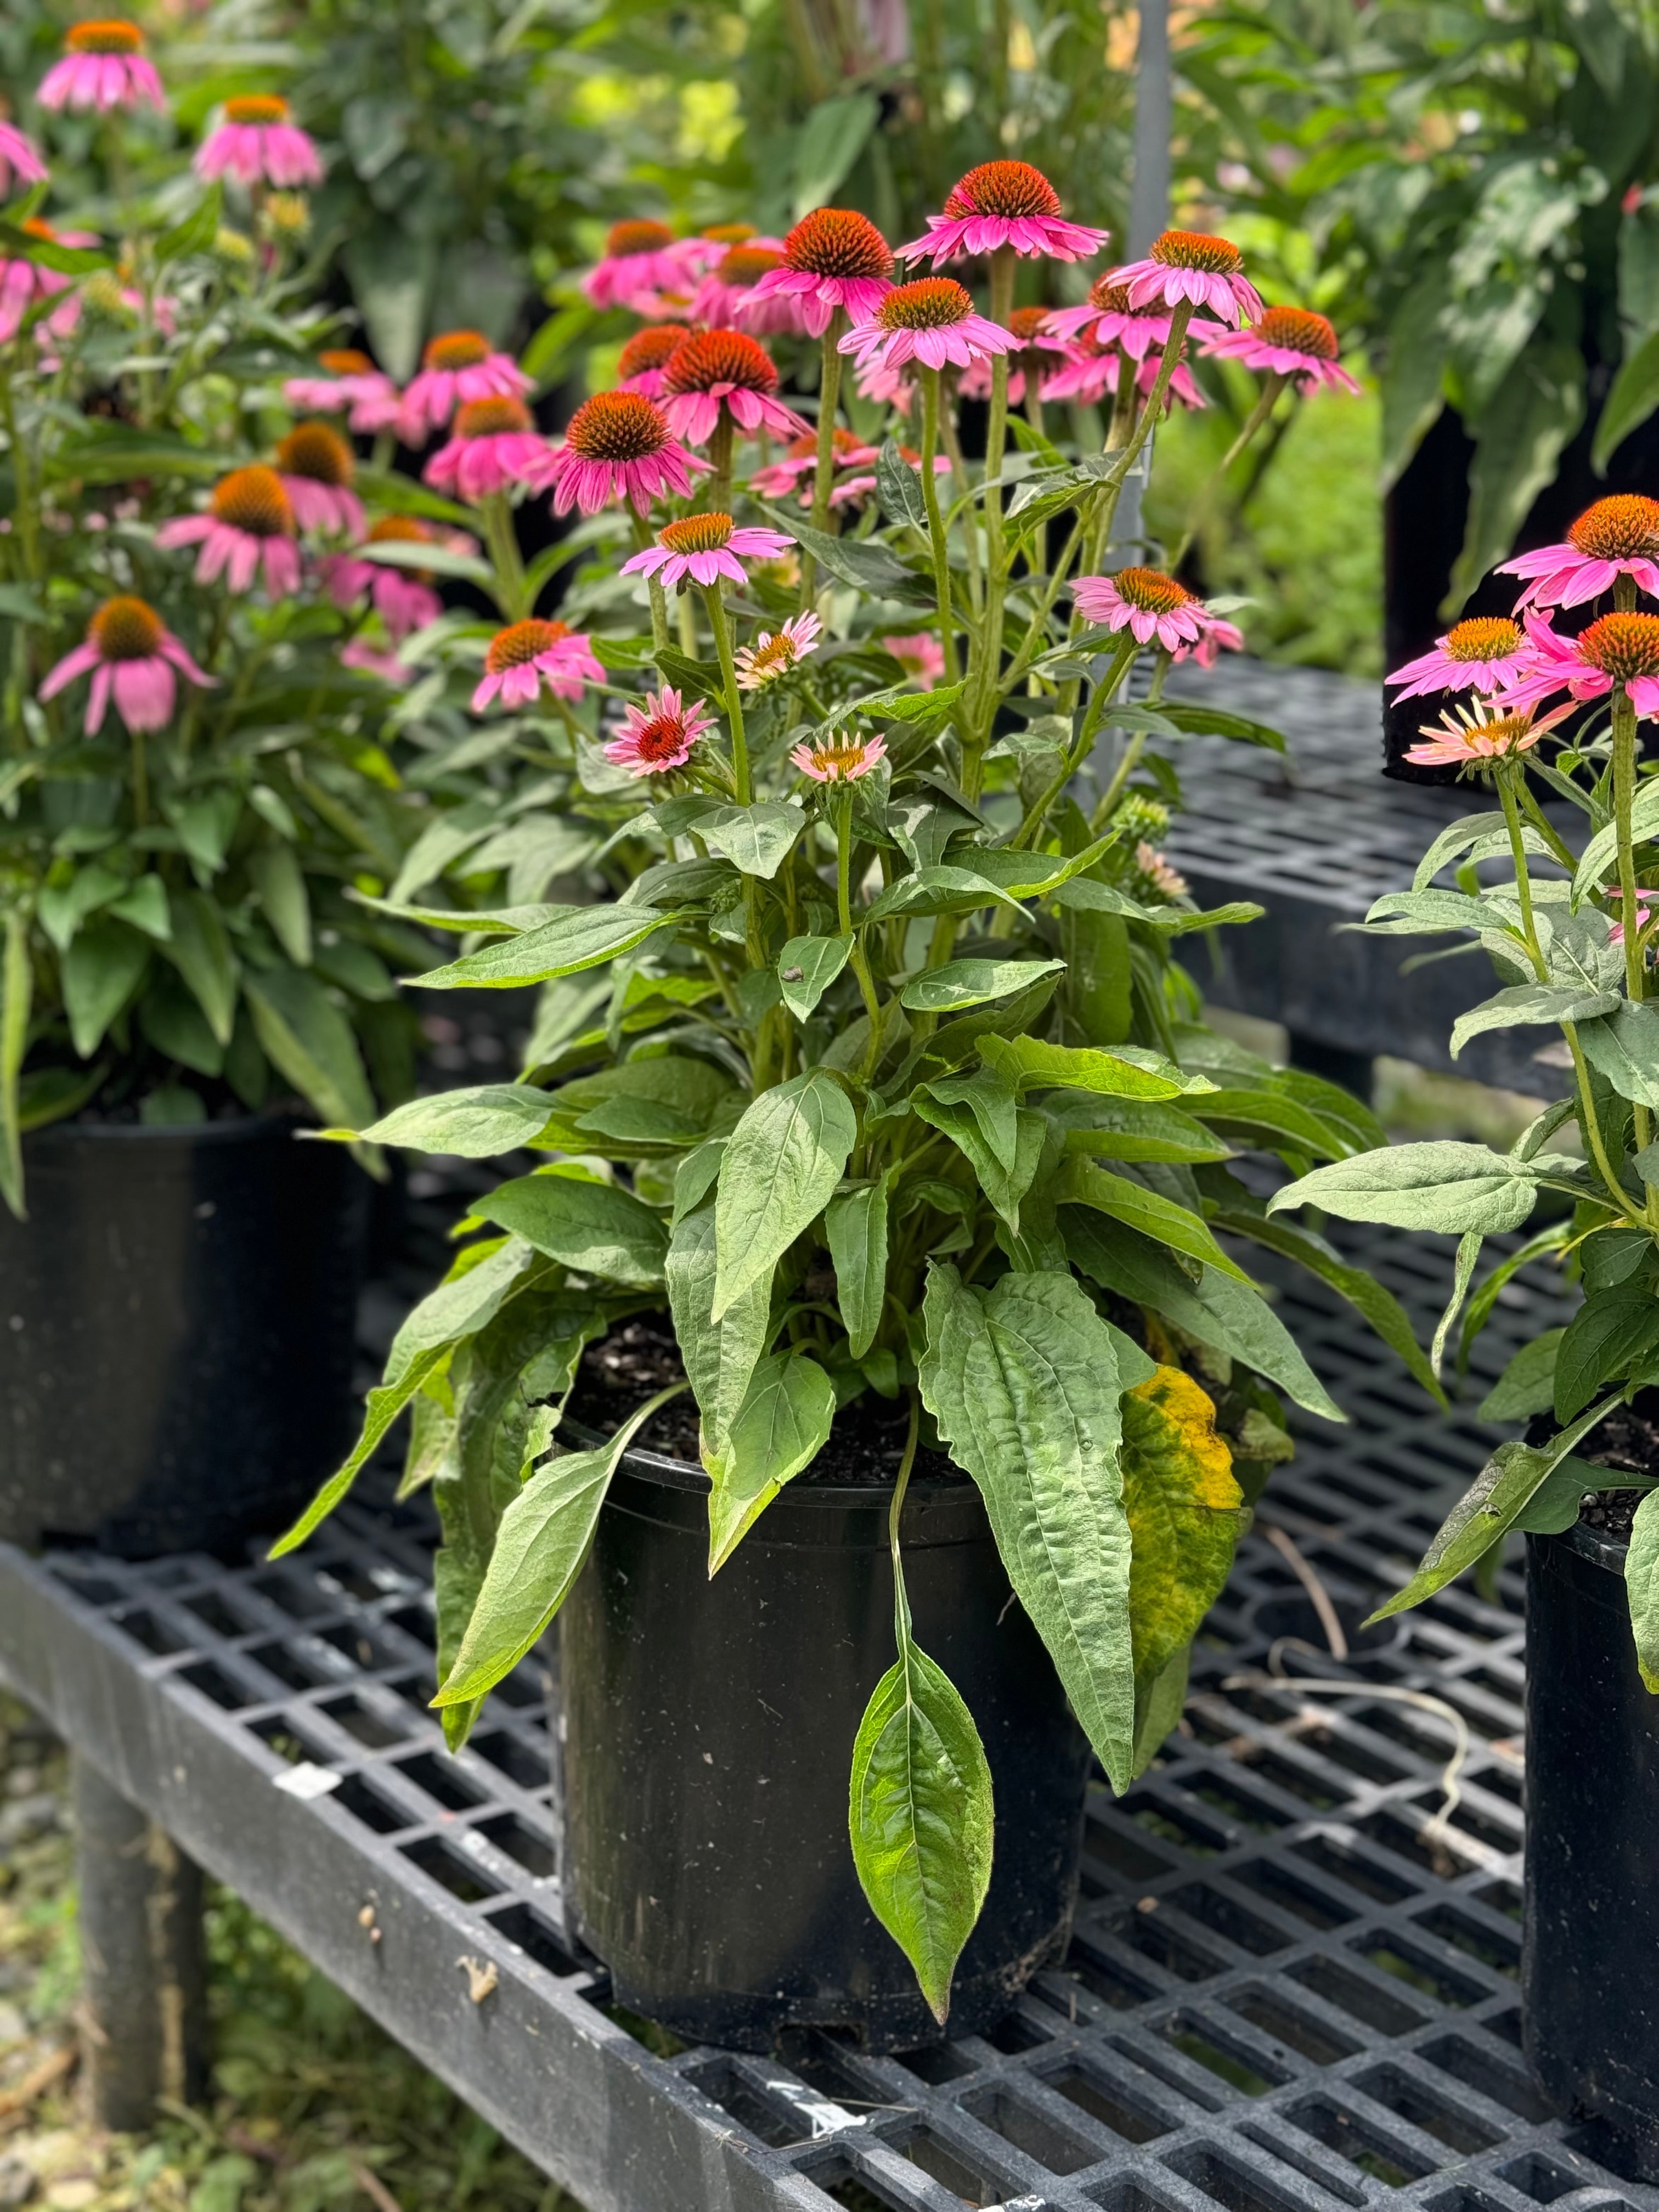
848, 489
371, 659
23, 283
704, 547
1214, 637
1484, 653
705, 248
617, 446
1291, 342
832, 258
931, 321
888, 387
774, 653
496, 443
646, 356
1192, 265
256, 144
316, 467
639, 258
1003, 204
132, 658
525, 655
1619, 650
800, 459
1144, 602
921, 658
350, 382
1091, 373
104, 66
719, 372
842, 758
1038, 352
19, 164
1616, 537
724, 298
1644, 899
1107, 317
459, 366
1482, 732
249, 527
403, 598
660, 735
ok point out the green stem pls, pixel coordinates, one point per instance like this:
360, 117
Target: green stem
642, 538
987, 686
140, 782
1201, 509
1031, 827
1624, 794
717, 489
740, 777
952, 445
824, 474
844, 909
936, 538
896, 1510
501, 541
1107, 499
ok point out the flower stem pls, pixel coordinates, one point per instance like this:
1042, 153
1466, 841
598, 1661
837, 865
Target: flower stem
1078, 753
1200, 509
829, 394
717, 495
986, 689
1107, 498
717, 622
643, 540
502, 541
844, 908
1624, 794
936, 539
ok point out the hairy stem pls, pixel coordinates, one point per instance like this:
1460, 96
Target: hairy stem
936, 538
823, 473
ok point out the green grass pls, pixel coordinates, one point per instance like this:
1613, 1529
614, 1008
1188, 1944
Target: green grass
1307, 548
312, 2108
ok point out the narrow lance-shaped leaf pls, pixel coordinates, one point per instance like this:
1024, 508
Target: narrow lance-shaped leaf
855, 1226
921, 1812
1642, 1587
780, 1167
780, 1428
541, 1544
17, 993
1023, 1382
720, 1356
1184, 1507
575, 938
583, 1222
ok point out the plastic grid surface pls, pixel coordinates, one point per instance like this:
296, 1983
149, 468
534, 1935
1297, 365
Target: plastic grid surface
1287, 1991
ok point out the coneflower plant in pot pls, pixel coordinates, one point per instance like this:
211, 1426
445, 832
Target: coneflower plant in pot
191, 779
1550, 702
862, 1382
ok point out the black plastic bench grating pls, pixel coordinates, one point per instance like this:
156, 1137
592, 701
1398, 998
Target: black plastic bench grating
1292, 1987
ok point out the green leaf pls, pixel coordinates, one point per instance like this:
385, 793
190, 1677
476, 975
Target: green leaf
1641, 1588
1363, 1293
1624, 1047
384, 1404
174, 1023
868, 567
939, 890
1413, 384
921, 1817
1268, 1115
855, 1229
16, 993
582, 1223
720, 1356
826, 145
1232, 1316
21, 244
1527, 1385
1445, 1185
145, 906
899, 487
1023, 1382
1159, 1704
1127, 1071
1080, 1183
540, 1546
781, 1427
570, 939
1521, 434
756, 839
310, 1042
100, 973
427, 559
196, 232
780, 1169
1634, 396
1132, 1129
1526, 1003
199, 948
63, 907
807, 966
1488, 1509
474, 1124
1195, 721
962, 983
1185, 1512
1599, 854
1603, 1341
280, 882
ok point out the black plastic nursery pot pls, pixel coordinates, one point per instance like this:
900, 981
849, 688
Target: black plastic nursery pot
176, 1332
709, 1731
1591, 1969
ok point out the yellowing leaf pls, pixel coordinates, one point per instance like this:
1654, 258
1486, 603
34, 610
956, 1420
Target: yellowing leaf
1184, 1509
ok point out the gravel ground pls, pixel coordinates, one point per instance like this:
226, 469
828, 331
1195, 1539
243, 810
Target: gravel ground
312, 2108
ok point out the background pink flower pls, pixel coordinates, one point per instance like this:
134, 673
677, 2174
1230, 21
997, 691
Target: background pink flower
526, 654
921, 658
1192, 265
458, 367
249, 527
131, 656
1291, 342
19, 164
103, 66
350, 382
618, 446
495, 444
724, 372
256, 144
833, 257
1618, 536
704, 547
1003, 204
638, 259
931, 321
